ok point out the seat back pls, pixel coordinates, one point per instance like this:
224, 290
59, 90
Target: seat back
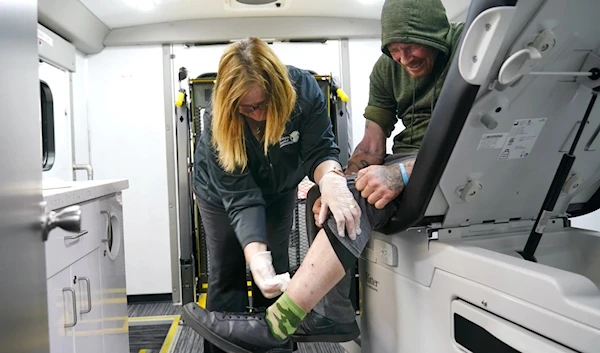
500, 128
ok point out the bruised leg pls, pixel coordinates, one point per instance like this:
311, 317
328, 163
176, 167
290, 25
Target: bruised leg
333, 318
328, 259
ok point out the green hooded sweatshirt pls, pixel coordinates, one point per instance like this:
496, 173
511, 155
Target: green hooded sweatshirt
393, 93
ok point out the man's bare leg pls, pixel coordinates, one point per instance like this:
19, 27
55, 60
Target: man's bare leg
320, 271
324, 266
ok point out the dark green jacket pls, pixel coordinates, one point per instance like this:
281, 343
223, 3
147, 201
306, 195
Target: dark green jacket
307, 141
393, 93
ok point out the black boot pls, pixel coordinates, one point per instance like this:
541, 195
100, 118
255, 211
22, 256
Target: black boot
234, 332
318, 328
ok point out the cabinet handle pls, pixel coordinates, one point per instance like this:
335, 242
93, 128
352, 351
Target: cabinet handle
89, 294
68, 289
73, 237
108, 225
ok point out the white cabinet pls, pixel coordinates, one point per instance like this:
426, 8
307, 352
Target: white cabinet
75, 307
62, 316
89, 329
87, 298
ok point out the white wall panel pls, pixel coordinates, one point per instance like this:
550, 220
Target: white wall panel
363, 55
80, 115
127, 124
322, 58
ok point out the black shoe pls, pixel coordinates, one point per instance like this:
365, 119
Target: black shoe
318, 328
234, 332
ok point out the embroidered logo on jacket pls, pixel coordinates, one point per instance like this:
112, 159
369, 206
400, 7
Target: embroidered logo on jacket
293, 137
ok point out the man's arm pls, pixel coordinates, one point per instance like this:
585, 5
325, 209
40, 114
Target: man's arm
380, 184
370, 150
380, 115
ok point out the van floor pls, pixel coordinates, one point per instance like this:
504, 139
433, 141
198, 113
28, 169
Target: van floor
155, 328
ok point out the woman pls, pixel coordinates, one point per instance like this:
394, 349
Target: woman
268, 127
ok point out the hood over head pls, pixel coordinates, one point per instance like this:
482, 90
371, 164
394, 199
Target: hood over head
415, 21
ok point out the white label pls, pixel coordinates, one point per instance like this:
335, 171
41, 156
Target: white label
521, 138
491, 141
45, 38
543, 222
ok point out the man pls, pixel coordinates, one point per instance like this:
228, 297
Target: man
418, 43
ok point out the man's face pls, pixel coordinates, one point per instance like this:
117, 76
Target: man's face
416, 59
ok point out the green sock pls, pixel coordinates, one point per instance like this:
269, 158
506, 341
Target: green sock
284, 317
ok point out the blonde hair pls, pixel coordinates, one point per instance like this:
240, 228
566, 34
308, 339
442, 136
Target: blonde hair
244, 64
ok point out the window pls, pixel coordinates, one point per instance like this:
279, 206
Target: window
47, 110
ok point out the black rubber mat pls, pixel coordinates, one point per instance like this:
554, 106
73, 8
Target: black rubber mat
149, 337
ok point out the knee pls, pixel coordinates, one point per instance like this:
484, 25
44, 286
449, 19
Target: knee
344, 255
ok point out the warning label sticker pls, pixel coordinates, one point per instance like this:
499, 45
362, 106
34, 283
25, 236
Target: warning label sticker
490, 141
45, 38
521, 138
545, 217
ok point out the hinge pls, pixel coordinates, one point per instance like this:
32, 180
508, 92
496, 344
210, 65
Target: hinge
172, 56
498, 227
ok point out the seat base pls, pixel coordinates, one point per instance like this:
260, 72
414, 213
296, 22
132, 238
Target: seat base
417, 298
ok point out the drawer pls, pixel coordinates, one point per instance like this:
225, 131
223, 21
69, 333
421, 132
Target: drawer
64, 248
476, 330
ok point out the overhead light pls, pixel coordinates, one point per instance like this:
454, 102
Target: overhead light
142, 5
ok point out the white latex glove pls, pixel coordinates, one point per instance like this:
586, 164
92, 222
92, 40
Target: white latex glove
336, 197
263, 274
282, 281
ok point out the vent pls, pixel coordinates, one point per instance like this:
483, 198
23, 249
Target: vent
274, 5
256, 2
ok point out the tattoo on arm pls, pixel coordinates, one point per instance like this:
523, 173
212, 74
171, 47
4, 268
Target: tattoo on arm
359, 162
391, 178
353, 164
359, 151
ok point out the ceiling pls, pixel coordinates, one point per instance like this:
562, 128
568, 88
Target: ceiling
118, 13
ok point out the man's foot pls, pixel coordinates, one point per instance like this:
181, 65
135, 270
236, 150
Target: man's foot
318, 328
234, 332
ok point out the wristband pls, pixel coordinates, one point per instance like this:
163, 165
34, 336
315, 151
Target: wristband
335, 171
404, 174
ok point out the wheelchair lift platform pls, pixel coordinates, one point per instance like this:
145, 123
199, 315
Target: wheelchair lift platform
482, 256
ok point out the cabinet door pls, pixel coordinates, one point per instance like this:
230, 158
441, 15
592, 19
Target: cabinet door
112, 267
23, 305
62, 313
89, 330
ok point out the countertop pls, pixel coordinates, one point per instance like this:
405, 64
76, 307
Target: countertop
59, 194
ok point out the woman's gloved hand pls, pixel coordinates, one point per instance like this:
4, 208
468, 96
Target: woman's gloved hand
336, 197
263, 272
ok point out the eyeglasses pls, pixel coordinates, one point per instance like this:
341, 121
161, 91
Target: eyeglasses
248, 109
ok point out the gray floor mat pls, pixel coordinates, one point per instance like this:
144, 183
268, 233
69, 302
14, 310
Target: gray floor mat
153, 309
149, 337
